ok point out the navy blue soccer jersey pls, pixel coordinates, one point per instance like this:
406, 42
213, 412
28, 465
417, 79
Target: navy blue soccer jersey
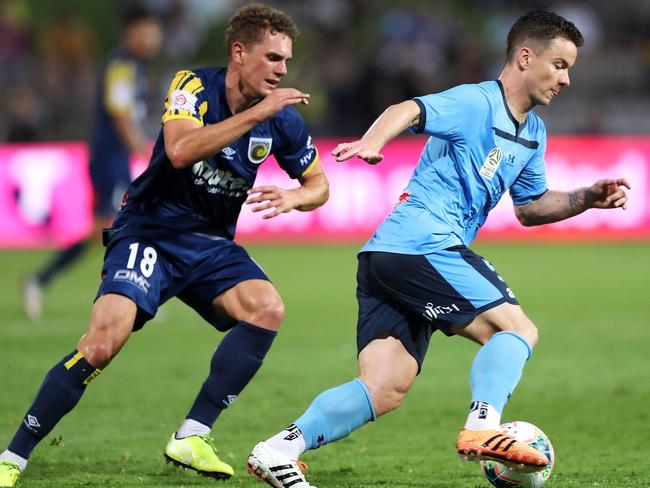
207, 196
122, 92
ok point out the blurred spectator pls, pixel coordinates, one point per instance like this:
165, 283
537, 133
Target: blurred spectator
67, 50
24, 118
118, 135
356, 56
14, 40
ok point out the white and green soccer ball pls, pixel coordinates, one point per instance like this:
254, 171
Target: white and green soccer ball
502, 476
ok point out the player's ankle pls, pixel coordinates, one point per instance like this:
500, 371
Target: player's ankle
289, 441
482, 416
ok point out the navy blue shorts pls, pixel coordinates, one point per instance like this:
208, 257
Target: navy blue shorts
410, 296
152, 266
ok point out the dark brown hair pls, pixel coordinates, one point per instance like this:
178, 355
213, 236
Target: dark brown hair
251, 21
541, 27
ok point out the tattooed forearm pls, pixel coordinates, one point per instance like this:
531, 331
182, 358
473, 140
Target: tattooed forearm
574, 201
553, 207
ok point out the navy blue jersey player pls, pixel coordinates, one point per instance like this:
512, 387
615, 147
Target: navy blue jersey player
117, 135
417, 274
174, 235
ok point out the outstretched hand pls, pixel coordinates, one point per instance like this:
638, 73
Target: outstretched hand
360, 149
279, 199
609, 193
278, 99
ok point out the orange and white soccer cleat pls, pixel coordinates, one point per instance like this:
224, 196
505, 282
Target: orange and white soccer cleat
493, 445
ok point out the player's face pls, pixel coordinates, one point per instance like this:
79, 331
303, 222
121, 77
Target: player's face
548, 71
146, 37
264, 64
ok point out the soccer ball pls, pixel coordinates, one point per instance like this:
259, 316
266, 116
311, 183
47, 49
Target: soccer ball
502, 476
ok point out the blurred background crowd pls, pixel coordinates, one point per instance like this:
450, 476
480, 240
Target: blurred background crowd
354, 57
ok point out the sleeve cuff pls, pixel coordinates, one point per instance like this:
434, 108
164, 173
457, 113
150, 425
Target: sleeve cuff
423, 117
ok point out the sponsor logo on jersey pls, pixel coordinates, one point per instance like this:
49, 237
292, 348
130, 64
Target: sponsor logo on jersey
134, 277
309, 156
228, 153
219, 180
259, 149
182, 100
432, 311
403, 198
491, 163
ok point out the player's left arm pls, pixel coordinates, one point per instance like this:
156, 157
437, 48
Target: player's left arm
311, 194
554, 206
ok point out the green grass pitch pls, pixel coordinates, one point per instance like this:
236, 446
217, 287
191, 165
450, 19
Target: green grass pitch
587, 384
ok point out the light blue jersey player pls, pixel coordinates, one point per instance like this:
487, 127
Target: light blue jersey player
417, 274
173, 236
477, 151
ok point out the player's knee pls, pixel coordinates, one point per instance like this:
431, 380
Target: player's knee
266, 311
530, 333
97, 353
386, 398
103, 341
525, 328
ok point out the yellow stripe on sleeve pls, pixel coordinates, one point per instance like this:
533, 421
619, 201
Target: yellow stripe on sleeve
179, 79
119, 87
193, 84
313, 163
203, 108
182, 101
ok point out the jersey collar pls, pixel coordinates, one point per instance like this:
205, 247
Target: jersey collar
517, 125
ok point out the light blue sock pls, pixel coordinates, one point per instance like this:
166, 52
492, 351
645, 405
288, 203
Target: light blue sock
497, 368
335, 413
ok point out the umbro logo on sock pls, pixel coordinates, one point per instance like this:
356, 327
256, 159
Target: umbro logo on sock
229, 400
31, 423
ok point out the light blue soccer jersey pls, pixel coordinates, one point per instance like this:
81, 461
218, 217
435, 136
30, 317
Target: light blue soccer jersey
476, 152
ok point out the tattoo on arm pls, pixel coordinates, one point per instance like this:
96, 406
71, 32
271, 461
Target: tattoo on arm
574, 201
553, 207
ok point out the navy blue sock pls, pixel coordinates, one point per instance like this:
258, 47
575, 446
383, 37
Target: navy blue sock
234, 363
61, 390
62, 260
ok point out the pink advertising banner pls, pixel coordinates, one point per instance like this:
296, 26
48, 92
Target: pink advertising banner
46, 197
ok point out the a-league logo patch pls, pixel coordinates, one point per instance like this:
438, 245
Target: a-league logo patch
259, 149
491, 163
182, 100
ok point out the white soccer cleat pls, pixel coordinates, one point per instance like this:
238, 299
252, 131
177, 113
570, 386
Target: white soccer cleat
276, 468
32, 299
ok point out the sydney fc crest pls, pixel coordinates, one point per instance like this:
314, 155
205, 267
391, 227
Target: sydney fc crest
259, 149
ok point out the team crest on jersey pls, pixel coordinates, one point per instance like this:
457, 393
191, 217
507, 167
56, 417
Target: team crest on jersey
259, 149
491, 163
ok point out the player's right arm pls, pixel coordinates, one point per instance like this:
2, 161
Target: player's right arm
188, 140
395, 120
